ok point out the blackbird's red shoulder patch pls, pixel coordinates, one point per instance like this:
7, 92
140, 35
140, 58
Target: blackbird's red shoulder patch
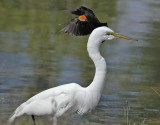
82, 18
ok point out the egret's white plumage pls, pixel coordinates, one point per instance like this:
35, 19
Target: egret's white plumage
71, 97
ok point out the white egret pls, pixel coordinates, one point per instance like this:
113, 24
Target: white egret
72, 97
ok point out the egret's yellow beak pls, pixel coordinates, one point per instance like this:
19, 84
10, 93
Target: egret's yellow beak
120, 36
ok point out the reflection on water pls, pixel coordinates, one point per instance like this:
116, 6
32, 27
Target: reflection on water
35, 56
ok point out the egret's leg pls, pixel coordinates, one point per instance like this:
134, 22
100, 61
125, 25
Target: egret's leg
54, 120
34, 121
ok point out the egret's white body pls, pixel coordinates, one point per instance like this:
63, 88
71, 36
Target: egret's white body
71, 97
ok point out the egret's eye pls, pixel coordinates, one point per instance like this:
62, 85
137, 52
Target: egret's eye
109, 33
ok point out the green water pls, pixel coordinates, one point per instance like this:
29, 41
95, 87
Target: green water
35, 55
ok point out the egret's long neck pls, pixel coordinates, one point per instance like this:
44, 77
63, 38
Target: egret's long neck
100, 65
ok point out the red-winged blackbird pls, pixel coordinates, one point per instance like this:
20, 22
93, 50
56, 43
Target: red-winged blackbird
84, 24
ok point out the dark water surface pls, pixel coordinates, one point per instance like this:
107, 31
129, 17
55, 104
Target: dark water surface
35, 56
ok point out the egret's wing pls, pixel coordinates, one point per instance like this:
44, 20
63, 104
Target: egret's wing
52, 105
54, 100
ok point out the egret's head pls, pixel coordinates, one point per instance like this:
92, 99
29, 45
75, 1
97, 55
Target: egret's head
104, 33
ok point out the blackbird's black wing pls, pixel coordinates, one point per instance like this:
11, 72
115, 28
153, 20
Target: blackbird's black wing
78, 28
93, 19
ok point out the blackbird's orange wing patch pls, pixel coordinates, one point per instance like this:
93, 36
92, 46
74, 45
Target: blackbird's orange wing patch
82, 18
